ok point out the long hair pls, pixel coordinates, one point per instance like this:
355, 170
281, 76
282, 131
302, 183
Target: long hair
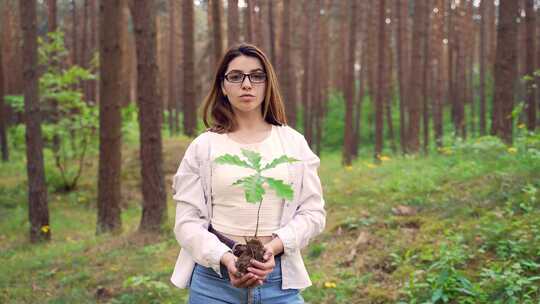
218, 115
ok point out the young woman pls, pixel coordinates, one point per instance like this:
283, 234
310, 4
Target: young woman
244, 110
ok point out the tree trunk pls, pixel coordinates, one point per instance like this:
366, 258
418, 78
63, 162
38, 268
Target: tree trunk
110, 119
171, 68
531, 63
38, 209
190, 115
505, 68
74, 29
306, 77
379, 103
349, 86
425, 77
93, 84
217, 32
51, 16
232, 23
482, 59
363, 12
414, 104
248, 21
287, 80
3, 114
154, 213
402, 15
272, 32
438, 73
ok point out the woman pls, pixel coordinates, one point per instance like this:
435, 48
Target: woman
244, 111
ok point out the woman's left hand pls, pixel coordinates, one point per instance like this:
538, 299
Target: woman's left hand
262, 269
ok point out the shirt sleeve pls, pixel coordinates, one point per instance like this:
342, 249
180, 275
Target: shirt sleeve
309, 218
191, 220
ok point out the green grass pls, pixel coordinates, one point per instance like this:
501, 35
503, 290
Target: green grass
472, 239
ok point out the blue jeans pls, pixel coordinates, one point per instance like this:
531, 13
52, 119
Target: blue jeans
207, 287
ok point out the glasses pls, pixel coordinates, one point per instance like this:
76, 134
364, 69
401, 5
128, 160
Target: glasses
238, 77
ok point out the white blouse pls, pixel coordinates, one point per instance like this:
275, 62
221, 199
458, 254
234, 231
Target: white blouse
232, 214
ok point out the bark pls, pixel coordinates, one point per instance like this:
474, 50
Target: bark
154, 213
349, 85
316, 64
401, 14
171, 68
52, 16
74, 29
505, 69
272, 32
38, 209
425, 77
3, 115
232, 23
188, 24
438, 73
482, 59
531, 64
379, 103
306, 77
287, 78
217, 32
248, 21
93, 84
110, 119
414, 102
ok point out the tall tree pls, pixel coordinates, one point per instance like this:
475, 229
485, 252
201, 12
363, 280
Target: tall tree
38, 209
531, 63
154, 213
379, 103
217, 31
307, 90
425, 76
438, 71
74, 30
414, 104
349, 85
482, 59
3, 114
505, 69
233, 33
248, 21
171, 67
188, 96
110, 119
286, 68
402, 59
52, 15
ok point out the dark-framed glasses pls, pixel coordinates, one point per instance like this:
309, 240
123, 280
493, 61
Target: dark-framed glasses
238, 77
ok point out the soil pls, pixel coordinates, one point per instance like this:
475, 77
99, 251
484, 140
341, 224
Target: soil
253, 249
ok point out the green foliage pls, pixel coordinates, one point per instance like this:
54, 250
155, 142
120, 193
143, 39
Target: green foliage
334, 123
253, 184
71, 130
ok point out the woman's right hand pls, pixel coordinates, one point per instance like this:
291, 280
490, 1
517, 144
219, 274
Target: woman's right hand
248, 280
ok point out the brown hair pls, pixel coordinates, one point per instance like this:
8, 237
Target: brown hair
218, 115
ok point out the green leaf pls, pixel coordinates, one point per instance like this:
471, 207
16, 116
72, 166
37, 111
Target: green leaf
282, 190
254, 158
280, 160
232, 160
253, 188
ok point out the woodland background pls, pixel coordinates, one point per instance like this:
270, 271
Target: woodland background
424, 113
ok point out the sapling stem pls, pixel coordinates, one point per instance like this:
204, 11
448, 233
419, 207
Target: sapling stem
258, 211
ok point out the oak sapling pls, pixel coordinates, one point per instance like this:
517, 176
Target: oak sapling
254, 192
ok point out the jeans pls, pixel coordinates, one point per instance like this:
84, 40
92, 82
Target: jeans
207, 287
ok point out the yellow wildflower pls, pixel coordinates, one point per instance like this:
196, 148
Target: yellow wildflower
45, 228
521, 126
371, 166
348, 168
512, 150
329, 284
384, 158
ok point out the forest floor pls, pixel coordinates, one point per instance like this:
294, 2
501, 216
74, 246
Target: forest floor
460, 226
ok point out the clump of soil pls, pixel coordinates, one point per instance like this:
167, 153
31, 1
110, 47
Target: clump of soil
253, 249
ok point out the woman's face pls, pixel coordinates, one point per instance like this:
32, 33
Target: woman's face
245, 94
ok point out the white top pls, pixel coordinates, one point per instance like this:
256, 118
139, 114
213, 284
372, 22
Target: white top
232, 214
302, 219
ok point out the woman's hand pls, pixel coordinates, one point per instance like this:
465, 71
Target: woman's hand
248, 280
263, 269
